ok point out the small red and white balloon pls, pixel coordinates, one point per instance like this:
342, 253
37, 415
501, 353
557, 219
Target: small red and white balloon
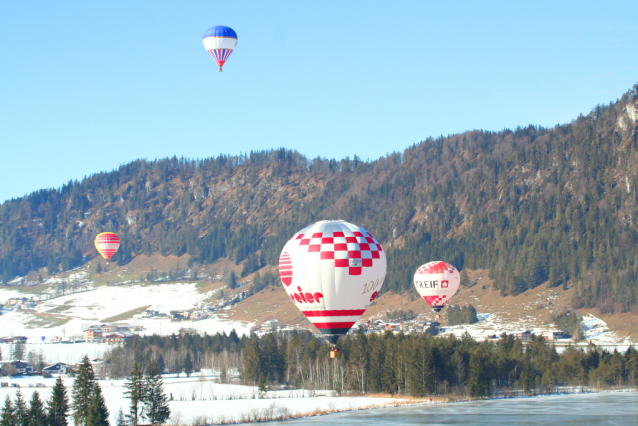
437, 282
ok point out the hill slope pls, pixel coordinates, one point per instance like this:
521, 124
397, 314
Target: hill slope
533, 205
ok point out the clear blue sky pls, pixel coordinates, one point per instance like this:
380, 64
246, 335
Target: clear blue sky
86, 86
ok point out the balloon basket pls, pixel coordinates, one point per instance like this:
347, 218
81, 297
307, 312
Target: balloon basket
438, 316
220, 70
334, 353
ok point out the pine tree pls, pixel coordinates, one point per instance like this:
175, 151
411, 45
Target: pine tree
37, 414
58, 405
232, 280
98, 414
6, 419
135, 393
252, 361
17, 350
188, 364
121, 420
20, 411
480, 376
82, 392
155, 402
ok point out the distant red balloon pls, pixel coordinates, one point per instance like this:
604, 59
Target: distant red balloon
107, 244
437, 282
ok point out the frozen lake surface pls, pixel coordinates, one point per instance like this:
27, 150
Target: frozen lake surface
582, 409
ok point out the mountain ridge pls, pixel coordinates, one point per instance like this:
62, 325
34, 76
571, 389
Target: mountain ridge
533, 205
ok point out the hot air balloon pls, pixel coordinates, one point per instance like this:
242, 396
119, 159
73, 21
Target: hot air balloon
437, 282
220, 41
332, 271
107, 244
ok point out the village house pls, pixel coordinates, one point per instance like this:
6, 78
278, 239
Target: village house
93, 335
108, 328
198, 315
523, 336
13, 339
185, 331
20, 366
117, 338
270, 325
554, 335
56, 369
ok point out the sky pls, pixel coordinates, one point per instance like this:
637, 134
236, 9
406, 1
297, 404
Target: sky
88, 86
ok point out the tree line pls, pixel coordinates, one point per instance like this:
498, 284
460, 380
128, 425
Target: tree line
417, 365
87, 406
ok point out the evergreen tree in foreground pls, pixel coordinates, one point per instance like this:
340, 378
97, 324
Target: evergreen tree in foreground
58, 405
6, 419
98, 414
20, 412
155, 403
37, 414
135, 392
82, 392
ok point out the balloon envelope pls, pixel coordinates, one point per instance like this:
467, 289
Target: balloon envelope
220, 42
107, 244
332, 271
437, 282
43, 338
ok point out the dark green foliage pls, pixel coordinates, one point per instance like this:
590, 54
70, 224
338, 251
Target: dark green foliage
83, 392
569, 322
20, 411
252, 361
480, 373
464, 315
232, 280
417, 365
58, 405
6, 419
98, 414
156, 409
37, 413
135, 391
188, 364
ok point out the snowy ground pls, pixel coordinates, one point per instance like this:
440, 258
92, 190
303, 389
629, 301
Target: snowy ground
58, 352
198, 397
69, 315
594, 330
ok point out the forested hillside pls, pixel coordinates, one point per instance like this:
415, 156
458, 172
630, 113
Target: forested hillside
531, 204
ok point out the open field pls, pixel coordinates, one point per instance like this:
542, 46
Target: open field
200, 396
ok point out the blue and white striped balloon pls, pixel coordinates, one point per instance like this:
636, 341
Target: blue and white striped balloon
220, 41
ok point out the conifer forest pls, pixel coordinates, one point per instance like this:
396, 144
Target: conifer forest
532, 205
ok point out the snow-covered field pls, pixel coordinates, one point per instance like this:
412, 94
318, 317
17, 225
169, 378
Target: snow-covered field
198, 397
66, 353
594, 330
69, 315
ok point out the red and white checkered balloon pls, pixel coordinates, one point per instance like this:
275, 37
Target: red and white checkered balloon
437, 282
332, 271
